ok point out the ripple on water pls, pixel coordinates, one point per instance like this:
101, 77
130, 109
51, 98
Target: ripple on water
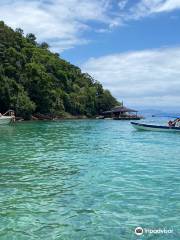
87, 179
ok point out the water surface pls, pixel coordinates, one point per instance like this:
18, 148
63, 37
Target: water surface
87, 179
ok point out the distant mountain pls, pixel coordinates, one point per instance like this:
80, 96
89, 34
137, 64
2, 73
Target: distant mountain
160, 113
35, 80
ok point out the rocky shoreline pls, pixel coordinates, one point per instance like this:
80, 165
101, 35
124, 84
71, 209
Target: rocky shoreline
44, 117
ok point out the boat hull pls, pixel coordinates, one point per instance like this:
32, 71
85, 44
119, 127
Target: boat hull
4, 120
156, 128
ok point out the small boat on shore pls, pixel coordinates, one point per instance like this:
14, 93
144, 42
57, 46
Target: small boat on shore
157, 128
7, 118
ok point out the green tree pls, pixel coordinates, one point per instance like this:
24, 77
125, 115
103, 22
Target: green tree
35, 80
31, 38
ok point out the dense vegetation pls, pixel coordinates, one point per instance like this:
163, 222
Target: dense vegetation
35, 80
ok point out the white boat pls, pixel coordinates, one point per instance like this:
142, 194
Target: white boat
157, 128
7, 118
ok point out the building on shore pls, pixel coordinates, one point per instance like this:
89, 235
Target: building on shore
122, 113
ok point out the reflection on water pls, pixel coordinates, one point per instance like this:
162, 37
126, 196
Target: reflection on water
87, 179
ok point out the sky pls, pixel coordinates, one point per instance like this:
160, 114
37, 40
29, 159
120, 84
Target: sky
131, 46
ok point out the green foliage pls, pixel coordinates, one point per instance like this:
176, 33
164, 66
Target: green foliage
31, 38
22, 105
35, 80
13, 96
44, 45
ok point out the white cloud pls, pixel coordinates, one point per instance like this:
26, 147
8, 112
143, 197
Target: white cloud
62, 23
168, 6
122, 4
142, 9
144, 78
56, 21
146, 8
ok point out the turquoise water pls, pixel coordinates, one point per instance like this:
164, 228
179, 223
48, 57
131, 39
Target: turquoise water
87, 179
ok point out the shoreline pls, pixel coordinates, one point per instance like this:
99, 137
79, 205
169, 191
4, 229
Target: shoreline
34, 118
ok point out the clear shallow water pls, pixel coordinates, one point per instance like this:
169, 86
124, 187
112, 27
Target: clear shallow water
87, 179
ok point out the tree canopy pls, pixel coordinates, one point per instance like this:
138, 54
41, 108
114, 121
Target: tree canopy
35, 80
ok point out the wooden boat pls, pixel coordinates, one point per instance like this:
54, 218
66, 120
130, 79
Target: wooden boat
151, 127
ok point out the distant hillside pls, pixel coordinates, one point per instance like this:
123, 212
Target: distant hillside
35, 80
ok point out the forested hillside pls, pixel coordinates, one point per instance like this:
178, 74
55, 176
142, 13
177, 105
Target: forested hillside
35, 80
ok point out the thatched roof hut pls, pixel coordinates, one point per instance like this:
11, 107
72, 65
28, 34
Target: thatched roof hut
121, 112
120, 109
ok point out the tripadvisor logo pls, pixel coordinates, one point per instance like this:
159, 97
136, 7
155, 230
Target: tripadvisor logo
139, 231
